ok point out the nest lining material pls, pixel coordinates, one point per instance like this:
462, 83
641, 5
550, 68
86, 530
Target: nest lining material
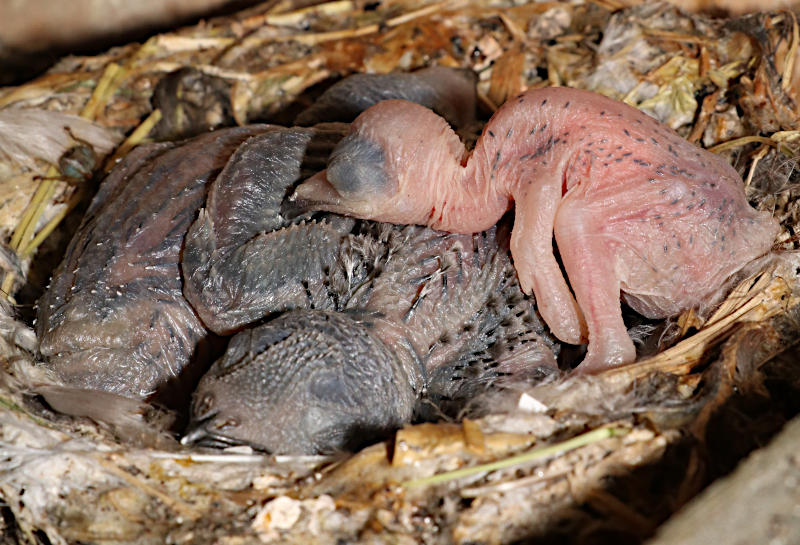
730, 85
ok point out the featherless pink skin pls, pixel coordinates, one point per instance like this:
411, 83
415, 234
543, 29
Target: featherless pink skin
635, 209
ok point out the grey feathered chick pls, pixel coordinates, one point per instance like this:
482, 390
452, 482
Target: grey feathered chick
306, 382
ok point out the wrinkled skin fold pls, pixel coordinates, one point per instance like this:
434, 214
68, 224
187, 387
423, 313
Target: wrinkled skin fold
635, 210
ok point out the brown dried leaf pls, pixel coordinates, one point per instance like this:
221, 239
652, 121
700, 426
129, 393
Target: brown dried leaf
506, 80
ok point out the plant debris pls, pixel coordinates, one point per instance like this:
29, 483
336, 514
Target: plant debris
713, 390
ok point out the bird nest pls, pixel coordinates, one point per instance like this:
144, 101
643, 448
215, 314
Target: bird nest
597, 459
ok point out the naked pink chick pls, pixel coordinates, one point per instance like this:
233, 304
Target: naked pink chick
635, 210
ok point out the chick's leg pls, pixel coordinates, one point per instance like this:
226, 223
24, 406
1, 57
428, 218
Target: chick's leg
589, 259
537, 268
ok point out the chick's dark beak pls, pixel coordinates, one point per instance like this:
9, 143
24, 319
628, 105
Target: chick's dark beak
198, 434
313, 195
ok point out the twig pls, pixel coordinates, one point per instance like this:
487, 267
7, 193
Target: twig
176, 505
743, 141
210, 458
788, 63
593, 436
138, 134
675, 36
422, 12
776, 140
741, 294
766, 298
42, 198
320, 37
297, 17
760, 154
175, 44
506, 486
103, 90
17, 237
210, 69
50, 226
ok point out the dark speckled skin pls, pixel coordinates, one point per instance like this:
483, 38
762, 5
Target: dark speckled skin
635, 210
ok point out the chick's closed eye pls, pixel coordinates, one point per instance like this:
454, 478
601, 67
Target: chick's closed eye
357, 169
